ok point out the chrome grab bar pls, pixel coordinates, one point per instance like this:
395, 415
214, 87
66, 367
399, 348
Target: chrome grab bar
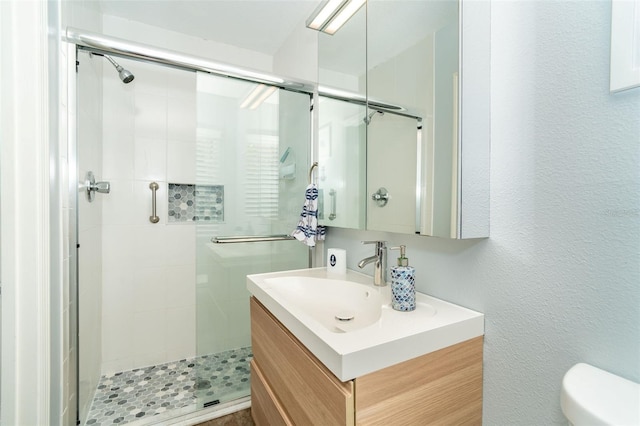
251, 238
153, 186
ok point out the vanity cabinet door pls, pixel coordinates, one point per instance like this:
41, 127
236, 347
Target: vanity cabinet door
265, 408
307, 392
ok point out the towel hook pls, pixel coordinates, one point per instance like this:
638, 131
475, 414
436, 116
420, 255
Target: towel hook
313, 166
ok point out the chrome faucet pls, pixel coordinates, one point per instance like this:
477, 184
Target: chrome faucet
380, 262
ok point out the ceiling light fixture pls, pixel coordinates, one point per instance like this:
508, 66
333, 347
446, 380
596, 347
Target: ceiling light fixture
331, 15
257, 96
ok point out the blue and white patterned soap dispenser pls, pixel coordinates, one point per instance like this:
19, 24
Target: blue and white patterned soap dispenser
403, 283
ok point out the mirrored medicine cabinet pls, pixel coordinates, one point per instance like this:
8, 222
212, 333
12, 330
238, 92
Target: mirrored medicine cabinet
403, 119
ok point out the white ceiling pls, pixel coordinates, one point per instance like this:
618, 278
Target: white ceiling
260, 25
264, 25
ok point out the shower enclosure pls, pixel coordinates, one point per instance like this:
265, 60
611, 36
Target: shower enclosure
162, 307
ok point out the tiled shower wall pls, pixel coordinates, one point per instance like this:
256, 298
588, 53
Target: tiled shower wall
148, 269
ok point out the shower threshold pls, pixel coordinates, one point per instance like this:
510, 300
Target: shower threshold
139, 395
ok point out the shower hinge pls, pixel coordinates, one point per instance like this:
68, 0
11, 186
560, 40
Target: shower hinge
211, 403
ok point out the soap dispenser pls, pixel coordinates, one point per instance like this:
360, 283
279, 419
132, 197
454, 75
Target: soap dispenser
403, 287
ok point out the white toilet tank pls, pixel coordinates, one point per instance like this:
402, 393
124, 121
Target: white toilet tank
591, 397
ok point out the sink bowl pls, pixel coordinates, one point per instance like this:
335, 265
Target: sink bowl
349, 325
338, 305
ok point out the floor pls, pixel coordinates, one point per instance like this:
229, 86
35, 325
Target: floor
145, 392
240, 418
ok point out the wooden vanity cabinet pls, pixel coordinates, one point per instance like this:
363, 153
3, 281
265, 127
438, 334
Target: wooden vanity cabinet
290, 386
302, 390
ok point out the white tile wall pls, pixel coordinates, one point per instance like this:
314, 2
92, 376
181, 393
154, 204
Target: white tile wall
149, 269
180, 332
178, 169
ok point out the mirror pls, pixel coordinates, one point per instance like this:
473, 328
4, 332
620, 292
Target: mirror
342, 158
342, 133
417, 86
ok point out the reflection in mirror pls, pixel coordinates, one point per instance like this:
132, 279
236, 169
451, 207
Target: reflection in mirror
342, 57
402, 49
443, 159
342, 163
405, 54
341, 126
393, 146
412, 58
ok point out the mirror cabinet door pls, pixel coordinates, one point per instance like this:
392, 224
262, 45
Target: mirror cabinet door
416, 94
412, 61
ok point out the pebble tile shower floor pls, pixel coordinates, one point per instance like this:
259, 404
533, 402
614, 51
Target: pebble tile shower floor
145, 392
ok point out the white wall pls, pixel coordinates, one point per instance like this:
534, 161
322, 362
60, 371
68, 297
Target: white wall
298, 56
32, 252
219, 52
148, 269
558, 278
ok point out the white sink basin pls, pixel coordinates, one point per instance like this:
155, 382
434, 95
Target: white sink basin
349, 323
340, 306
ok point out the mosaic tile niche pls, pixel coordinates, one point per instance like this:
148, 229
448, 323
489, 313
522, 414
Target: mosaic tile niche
195, 203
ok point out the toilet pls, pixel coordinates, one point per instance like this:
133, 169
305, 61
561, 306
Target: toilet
591, 396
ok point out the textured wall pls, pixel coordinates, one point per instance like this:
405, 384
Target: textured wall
559, 278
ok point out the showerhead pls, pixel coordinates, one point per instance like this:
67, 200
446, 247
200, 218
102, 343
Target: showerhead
367, 119
125, 75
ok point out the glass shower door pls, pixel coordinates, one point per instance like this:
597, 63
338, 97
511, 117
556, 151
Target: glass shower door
252, 156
